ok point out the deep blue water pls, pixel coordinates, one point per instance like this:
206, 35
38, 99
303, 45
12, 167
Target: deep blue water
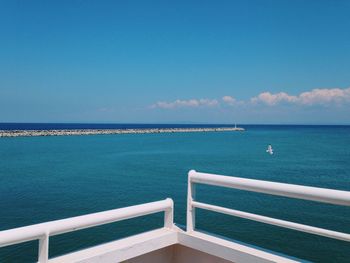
48, 178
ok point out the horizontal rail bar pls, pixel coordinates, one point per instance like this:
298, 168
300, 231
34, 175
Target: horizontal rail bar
275, 222
33, 232
323, 195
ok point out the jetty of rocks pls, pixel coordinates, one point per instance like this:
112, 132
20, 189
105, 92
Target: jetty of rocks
28, 133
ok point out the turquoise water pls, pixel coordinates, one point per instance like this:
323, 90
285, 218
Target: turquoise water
48, 178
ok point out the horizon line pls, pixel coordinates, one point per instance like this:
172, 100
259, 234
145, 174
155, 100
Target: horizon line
183, 123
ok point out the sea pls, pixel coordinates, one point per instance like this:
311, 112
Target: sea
49, 178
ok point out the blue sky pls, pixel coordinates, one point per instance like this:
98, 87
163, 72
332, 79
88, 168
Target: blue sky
175, 61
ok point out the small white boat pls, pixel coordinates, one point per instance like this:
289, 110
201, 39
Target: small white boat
269, 149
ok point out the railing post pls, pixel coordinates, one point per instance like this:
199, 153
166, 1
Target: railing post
191, 215
169, 215
43, 255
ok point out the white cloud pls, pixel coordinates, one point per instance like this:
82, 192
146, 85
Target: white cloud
273, 99
324, 96
308, 98
229, 100
208, 102
192, 103
313, 97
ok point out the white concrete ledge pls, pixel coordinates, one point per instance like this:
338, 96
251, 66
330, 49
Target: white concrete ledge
227, 249
122, 249
141, 244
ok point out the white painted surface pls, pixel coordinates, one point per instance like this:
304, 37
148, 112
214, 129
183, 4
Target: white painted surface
123, 249
44, 230
160, 239
275, 222
229, 250
135, 247
323, 195
191, 213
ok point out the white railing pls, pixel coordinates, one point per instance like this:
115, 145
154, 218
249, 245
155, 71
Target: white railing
43, 231
323, 195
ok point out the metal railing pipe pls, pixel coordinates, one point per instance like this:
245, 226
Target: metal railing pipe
40, 231
275, 222
323, 195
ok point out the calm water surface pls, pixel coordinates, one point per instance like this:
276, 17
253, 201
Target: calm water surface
48, 178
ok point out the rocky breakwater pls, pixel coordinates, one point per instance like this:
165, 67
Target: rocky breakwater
30, 133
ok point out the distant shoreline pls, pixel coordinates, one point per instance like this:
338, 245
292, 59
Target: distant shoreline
78, 132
